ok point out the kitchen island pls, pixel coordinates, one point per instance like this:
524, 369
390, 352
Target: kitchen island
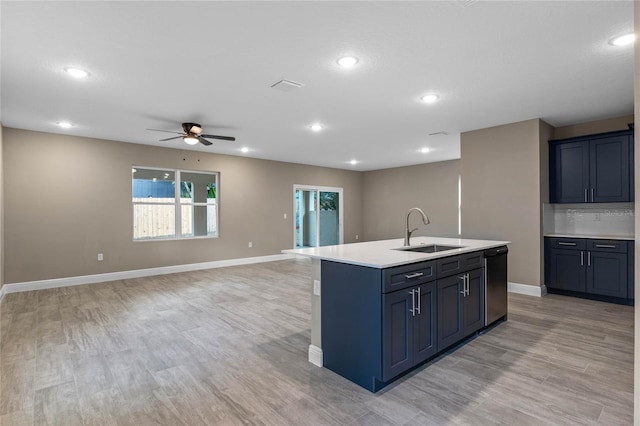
380, 309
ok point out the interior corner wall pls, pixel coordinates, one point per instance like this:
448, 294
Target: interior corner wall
545, 133
500, 168
70, 199
636, 369
390, 193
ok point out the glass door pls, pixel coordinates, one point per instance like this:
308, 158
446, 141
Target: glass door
317, 216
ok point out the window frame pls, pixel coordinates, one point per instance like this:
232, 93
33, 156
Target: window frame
177, 205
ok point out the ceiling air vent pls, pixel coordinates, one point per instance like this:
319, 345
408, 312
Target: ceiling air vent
286, 85
438, 134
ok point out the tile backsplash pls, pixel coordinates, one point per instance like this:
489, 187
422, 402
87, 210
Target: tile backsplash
589, 219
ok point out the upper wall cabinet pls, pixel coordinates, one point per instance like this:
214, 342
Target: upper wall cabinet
592, 169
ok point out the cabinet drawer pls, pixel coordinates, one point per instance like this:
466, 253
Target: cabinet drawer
406, 276
456, 264
568, 243
617, 246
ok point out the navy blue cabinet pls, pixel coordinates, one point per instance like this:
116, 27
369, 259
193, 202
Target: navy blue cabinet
473, 302
460, 306
409, 328
450, 328
377, 324
592, 169
593, 268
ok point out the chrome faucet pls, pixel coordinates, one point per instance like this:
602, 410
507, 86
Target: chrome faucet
407, 233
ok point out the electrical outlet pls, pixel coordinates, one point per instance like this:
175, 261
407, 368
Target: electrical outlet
284, 216
250, 244
357, 236
316, 287
100, 257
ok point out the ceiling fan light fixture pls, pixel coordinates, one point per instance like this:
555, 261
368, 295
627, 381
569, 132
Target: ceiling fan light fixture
190, 140
316, 127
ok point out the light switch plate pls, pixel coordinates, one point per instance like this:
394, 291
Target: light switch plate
316, 287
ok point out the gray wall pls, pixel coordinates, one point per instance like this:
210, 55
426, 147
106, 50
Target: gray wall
69, 198
591, 127
501, 187
390, 193
636, 369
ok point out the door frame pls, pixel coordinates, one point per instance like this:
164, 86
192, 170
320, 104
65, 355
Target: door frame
318, 189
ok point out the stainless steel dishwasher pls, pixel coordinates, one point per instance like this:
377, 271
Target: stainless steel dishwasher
495, 279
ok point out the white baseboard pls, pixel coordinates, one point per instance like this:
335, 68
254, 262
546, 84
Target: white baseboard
315, 355
137, 273
529, 290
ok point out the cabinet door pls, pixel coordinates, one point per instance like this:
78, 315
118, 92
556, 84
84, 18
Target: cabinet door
424, 330
473, 303
450, 329
397, 332
569, 172
609, 178
607, 273
566, 270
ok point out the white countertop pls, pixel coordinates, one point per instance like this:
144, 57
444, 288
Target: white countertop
594, 236
381, 254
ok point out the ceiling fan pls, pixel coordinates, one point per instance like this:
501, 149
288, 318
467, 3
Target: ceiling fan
192, 134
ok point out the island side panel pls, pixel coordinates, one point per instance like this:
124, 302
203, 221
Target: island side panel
352, 322
315, 349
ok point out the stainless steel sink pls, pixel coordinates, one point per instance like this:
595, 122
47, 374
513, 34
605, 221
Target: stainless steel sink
430, 248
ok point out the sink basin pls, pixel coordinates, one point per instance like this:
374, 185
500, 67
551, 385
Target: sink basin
430, 248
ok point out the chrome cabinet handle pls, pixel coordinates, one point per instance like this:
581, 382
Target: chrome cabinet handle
413, 303
468, 286
464, 285
418, 306
414, 275
592, 197
586, 200
605, 246
588, 258
560, 243
581, 258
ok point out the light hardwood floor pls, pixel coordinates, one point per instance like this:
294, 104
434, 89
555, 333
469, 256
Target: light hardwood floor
229, 346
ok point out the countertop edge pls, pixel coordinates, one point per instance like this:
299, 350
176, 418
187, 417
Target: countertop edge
416, 256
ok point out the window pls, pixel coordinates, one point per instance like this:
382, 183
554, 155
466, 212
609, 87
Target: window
174, 204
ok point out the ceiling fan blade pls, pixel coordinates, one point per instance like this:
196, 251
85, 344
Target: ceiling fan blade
166, 131
170, 139
224, 138
203, 141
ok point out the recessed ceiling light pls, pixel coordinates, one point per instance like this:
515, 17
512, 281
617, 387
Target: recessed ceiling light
430, 98
353, 162
190, 140
65, 124
347, 61
316, 127
425, 150
76, 72
244, 149
623, 40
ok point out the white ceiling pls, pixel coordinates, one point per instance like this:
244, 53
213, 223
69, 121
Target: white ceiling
157, 64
